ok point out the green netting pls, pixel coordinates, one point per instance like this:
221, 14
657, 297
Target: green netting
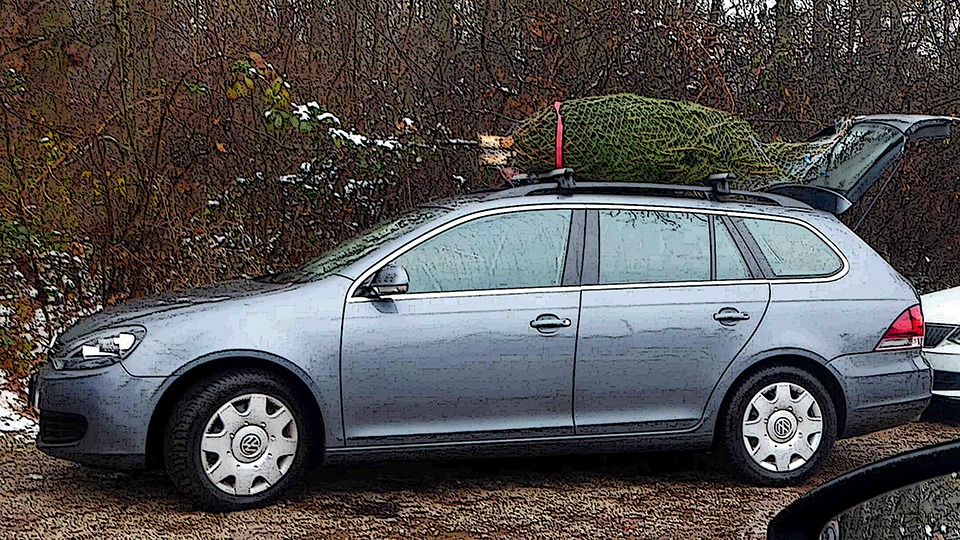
625, 137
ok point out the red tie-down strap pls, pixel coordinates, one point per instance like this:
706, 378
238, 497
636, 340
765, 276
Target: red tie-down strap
556, 106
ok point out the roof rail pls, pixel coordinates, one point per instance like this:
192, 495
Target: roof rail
716, 188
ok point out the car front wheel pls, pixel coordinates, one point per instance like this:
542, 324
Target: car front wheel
779, 427
237, 440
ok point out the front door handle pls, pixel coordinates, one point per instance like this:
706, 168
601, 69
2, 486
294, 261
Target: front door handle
730, 316
549, 321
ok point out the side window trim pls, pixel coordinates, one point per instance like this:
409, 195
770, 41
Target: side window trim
591, 249
753, 266
588, 215
753, 247
573, 265
712, 228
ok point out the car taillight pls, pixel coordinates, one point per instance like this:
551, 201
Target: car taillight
905, 332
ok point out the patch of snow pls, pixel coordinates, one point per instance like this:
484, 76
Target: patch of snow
289, 179
11, 421
213, 204
389, 144
302, 111
355, 138
328, 116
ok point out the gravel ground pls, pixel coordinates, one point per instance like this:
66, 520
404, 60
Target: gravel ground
677, 495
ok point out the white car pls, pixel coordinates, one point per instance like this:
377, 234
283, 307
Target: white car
941, 312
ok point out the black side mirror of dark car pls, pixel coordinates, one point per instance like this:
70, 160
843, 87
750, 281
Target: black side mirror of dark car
911, 495
391, 279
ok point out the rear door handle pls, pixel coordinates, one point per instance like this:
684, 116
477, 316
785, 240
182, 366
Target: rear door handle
548, 321
730, 316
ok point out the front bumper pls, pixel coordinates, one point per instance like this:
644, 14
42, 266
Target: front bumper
946, 371
883, 389
98, 417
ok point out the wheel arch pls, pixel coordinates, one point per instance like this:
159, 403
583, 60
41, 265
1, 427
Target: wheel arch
814, 367
209, 365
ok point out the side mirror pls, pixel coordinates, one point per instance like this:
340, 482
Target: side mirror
912, 495
390, 279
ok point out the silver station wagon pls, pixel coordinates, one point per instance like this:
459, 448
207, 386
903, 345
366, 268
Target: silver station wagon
553, 317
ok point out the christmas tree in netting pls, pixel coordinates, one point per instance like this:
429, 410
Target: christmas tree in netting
625, 137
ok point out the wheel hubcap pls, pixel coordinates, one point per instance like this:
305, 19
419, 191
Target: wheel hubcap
249, 444
782, 427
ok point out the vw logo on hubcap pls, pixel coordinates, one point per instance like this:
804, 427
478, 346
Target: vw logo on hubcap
782, 428
250, 445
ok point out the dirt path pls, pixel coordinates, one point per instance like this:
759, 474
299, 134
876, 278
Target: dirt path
679, 495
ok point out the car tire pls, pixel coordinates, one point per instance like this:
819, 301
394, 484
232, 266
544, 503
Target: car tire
248, 421
769, 429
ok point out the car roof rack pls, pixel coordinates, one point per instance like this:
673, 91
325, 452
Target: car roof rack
716, 188
563, 178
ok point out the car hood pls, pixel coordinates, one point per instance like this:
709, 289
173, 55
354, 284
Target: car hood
133, 310
942, 307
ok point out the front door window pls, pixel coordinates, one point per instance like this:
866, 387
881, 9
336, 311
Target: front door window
502, 251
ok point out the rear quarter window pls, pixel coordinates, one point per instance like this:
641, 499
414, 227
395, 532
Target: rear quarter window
793, 250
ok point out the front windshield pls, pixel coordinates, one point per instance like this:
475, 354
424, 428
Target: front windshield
350, 251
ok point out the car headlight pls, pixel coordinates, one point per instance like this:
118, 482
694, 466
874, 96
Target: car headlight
102, 348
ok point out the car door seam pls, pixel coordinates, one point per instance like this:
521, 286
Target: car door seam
343, 322
573, 382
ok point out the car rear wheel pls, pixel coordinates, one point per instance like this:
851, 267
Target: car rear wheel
237, 440
779, 426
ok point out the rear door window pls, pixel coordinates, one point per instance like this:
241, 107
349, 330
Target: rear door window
647, 246
793, 250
